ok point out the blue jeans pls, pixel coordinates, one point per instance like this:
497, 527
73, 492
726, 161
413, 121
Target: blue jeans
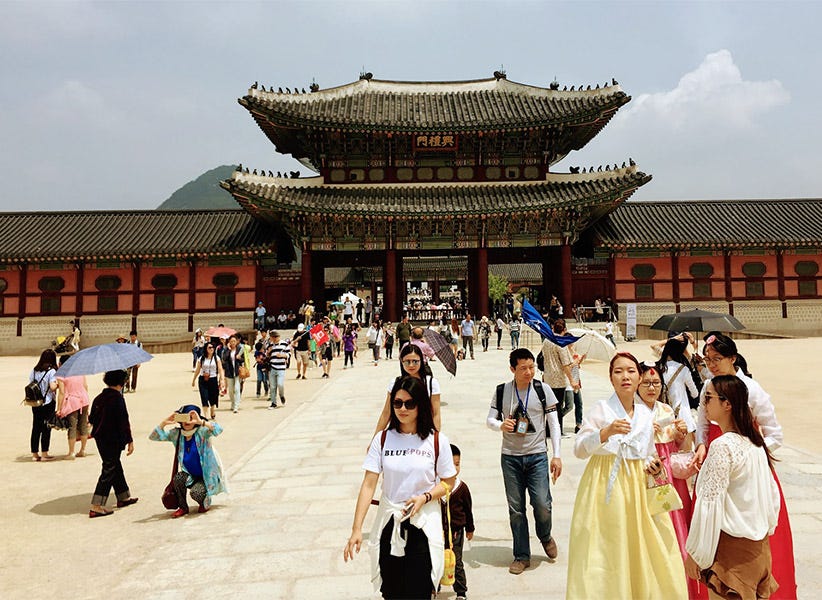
514, 340
276, 384
529, 472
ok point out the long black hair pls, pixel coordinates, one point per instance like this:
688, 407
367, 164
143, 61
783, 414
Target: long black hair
732, 389
425, 370
418, 392
674, 350
48, 360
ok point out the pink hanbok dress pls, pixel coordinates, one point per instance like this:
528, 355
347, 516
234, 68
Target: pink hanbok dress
664, 416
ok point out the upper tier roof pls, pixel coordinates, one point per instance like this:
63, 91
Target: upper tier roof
92, 235
263, 195
376, 105
712, 223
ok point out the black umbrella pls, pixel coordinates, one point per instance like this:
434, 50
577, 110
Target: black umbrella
441, 348
697, 320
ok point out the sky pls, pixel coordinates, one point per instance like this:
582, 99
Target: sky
114, 105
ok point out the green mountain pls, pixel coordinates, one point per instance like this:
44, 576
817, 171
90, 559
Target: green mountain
203, 192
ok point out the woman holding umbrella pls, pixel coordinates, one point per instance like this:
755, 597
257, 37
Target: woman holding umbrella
111, 430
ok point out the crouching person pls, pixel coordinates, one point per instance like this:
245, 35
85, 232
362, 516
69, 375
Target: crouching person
198, 465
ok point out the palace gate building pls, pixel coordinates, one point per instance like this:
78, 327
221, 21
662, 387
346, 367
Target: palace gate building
438, 183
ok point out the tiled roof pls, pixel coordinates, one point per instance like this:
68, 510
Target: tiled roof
48, 236
264, 195
377, 105
714, 223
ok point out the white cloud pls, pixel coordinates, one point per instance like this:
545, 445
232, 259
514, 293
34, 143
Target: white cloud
73, 103
713, 95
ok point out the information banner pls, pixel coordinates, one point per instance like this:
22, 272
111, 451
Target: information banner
630, 322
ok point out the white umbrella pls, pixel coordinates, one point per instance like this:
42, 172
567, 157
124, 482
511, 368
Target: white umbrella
594, 344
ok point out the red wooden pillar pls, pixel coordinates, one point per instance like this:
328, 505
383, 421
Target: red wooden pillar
565, 275
192, 295
780, 282
305, 279
482, 283
78, 297
675, 278
21, 298
728, 288
135, 292
390, 304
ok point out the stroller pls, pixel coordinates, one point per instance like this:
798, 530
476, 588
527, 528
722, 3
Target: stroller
62, 345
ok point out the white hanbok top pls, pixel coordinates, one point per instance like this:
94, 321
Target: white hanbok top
638, 444
735, 493
678, 391
761, 407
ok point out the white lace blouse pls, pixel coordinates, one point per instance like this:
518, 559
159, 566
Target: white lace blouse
735, 493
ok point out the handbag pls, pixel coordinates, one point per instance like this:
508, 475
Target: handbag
681, 466
55, 422
662, 497
243, 372
450, 564
169, 497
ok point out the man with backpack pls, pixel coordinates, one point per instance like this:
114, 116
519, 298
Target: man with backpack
522, 412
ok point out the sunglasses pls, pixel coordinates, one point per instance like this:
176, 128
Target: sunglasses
409, 404
410, 362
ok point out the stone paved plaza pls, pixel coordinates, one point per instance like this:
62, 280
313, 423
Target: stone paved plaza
294, 475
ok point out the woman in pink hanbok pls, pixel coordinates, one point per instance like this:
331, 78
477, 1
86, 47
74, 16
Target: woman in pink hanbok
670, 437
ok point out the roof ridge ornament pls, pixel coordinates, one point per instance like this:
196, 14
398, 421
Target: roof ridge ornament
366, 75
314, 87
501, 74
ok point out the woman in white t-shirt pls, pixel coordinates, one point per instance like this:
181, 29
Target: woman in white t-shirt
210, 380
737, 501
412, 363
406, 541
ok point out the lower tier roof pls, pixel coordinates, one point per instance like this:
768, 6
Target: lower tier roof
712, 223
272, 197
96, 235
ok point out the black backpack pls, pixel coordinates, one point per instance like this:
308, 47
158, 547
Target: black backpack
34, 393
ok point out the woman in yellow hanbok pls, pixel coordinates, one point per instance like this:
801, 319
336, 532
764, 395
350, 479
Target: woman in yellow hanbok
617, 548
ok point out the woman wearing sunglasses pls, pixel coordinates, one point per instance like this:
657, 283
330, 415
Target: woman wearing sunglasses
406, 541
210, 378
737, 502
722, 358
412, 364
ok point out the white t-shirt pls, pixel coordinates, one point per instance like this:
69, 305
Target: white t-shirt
431, 384
407, 463
208, 365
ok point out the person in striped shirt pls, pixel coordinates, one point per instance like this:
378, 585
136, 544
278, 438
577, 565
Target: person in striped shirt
278, 354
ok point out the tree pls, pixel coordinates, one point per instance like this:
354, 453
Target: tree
497, 288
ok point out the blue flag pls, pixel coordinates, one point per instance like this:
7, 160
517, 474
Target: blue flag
535, 321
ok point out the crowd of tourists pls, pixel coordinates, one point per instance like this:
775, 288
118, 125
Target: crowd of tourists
679, 497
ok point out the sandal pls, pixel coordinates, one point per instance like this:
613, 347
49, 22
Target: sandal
128, 502
180, 512
93, 514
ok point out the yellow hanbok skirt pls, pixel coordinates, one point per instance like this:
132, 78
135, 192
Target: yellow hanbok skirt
618, 550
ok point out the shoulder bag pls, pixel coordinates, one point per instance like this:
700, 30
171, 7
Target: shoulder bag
169, 497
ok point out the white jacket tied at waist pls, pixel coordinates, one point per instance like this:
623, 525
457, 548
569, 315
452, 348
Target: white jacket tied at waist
428, 519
